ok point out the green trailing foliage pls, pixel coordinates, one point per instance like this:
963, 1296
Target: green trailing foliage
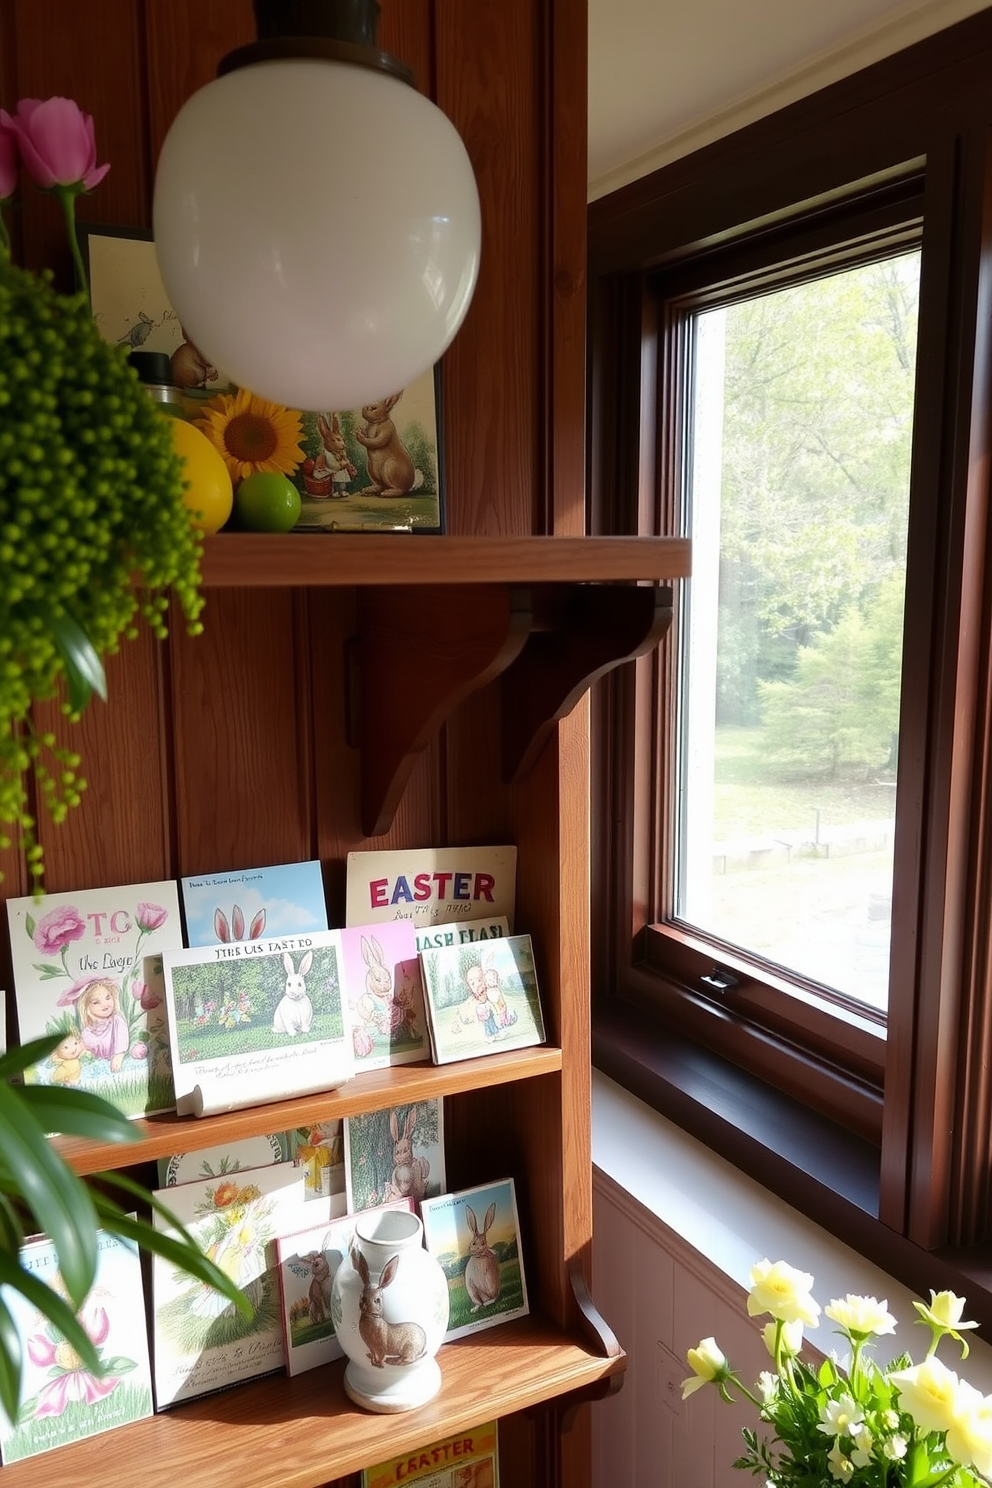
94, 532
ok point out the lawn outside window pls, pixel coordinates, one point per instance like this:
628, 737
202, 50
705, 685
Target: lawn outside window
792, 947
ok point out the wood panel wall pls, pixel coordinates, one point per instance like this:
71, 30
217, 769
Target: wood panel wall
216, 752
231, 749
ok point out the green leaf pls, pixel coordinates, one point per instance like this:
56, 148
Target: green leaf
11, 1360
51, 1306
29, 925
77, 1113
182, 1252
11, 1230
16, 1061
58, 1200
84, 674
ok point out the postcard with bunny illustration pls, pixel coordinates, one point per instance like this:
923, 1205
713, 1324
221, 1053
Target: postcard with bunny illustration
61, 1401
375, 468
385, 994
436, 937
253, 903
85, 967
396, 1153
469, 1459
475, 1235
482, 997
308, 1260
201, 1343
257, 1021
431, 885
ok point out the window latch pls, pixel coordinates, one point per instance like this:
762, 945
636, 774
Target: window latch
719, 980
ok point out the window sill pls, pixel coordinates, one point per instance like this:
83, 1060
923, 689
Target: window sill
809, 1162
697, 1199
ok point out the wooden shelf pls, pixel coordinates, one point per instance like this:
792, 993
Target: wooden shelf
258, 560
298, 1433
164, 1135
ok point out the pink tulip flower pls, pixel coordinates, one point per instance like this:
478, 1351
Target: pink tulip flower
150, 916
57, 143
8, 156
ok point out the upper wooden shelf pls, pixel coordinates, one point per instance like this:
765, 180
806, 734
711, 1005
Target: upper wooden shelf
340, 559
167, 1134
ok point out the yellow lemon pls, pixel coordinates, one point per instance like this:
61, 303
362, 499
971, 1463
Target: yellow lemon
209, 495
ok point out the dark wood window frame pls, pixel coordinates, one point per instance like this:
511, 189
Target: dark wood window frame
893, 1154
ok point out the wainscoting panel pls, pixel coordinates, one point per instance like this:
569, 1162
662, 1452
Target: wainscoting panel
662, 1296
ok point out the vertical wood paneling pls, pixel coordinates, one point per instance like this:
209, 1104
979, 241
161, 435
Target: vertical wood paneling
241, 736
232, 749
405, 31
565, 163
120, 831
51, 41
486, 83
186, 39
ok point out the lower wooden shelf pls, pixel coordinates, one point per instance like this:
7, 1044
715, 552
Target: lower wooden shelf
298, 1433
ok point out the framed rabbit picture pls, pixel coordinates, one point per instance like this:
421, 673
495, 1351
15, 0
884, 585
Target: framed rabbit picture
375, 468
372, 469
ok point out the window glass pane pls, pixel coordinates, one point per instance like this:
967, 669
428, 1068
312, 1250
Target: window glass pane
797, 497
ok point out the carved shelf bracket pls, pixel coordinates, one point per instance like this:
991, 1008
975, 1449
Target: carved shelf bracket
429, 647
580, 632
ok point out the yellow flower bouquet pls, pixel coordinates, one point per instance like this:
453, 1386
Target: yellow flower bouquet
903, 1426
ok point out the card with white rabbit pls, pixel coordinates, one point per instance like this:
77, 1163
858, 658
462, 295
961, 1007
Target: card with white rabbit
385, 994
308, 1260
257, 1021
475, 1235
482, 997
395, 1153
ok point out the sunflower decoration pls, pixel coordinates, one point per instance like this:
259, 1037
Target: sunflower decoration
252, 434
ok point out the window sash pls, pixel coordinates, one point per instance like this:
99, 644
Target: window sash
929, 104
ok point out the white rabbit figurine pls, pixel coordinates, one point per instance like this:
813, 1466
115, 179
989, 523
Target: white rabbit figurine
294, 1013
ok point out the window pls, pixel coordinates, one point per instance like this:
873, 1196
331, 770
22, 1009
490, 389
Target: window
790, 357
795, 487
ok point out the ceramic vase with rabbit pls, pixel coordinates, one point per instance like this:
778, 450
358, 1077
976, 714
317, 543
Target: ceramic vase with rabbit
389, 1302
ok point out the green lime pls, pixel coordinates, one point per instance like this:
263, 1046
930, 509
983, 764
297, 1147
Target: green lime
267, 502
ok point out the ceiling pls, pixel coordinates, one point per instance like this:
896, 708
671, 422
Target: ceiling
666, 76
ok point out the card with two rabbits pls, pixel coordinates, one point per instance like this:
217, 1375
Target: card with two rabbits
307, 1262
475, 1235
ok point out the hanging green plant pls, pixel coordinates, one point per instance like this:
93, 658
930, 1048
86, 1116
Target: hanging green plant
94, 531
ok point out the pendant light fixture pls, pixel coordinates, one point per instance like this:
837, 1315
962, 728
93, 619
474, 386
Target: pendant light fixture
316, 218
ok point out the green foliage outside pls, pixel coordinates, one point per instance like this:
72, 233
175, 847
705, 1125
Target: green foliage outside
817, 428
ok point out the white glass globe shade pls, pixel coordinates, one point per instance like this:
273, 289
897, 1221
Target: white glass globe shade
317, 229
